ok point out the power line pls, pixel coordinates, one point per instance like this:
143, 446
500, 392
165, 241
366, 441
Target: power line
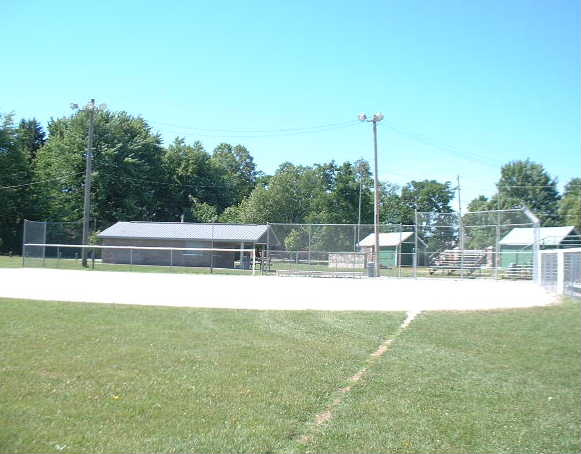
261, 131
426, 141
279, 134
41, 181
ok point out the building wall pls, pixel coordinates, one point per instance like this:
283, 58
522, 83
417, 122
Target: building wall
388, 255
167, 258
515, 255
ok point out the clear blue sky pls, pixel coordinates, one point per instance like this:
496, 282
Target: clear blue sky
465, 86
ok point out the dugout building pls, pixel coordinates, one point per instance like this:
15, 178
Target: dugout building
183, 235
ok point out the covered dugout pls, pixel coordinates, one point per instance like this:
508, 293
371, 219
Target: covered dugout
516, 248
182, 235
395, 249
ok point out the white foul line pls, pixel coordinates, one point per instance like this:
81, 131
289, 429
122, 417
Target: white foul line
326, 415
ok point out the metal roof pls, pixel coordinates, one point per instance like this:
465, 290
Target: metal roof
386, 239
549, 236
186, 231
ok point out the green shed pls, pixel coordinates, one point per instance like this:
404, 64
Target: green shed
395, 248
516, 248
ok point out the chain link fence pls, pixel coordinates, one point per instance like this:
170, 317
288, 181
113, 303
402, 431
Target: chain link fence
59, 245
475, 244
503, 244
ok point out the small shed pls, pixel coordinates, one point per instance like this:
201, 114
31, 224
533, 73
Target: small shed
516, 248
182, 235
395, 248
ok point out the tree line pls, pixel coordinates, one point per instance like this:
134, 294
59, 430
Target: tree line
136, 177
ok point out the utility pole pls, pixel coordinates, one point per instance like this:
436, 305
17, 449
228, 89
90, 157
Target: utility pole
88, 172
359, 215
376, 199
360, 173
376, 118
91, 109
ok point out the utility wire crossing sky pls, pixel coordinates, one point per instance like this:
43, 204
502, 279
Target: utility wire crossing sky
465, 87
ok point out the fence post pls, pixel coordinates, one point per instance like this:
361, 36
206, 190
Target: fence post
497, 258
415, 264
561, 271
537, 253
310, 228
266, 250
461, 244
23, 241
212, 252
400, 252
253, 259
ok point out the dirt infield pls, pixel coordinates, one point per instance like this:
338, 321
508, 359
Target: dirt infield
269, 292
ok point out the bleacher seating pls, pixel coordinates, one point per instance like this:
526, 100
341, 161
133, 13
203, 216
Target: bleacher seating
453, 261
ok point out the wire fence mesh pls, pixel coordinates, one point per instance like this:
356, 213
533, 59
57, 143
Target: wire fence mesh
436, 245
503, 244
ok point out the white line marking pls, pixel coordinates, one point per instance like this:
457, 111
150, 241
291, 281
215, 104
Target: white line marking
327, 415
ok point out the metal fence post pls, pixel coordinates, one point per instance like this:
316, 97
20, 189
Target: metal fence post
24, 228
497, 246
212, 252
310, 233
266, 252
461, 224
536, 253
400, 251
415, 264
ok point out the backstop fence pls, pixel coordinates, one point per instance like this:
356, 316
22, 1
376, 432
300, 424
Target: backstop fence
475, 244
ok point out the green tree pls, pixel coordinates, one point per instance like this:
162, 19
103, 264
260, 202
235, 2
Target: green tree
391, 205
479, 233
191, 177
438, 226
337, 201
30, 137
570, 204
287, 198
15, 188
428, 196
239, 170
526, 183
203, 212
127, 178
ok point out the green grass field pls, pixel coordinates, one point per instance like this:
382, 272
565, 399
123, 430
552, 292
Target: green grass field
113, 378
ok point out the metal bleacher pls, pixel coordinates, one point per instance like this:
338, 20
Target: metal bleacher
453, 261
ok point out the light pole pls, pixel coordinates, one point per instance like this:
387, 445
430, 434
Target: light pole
375, 119
90, 108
